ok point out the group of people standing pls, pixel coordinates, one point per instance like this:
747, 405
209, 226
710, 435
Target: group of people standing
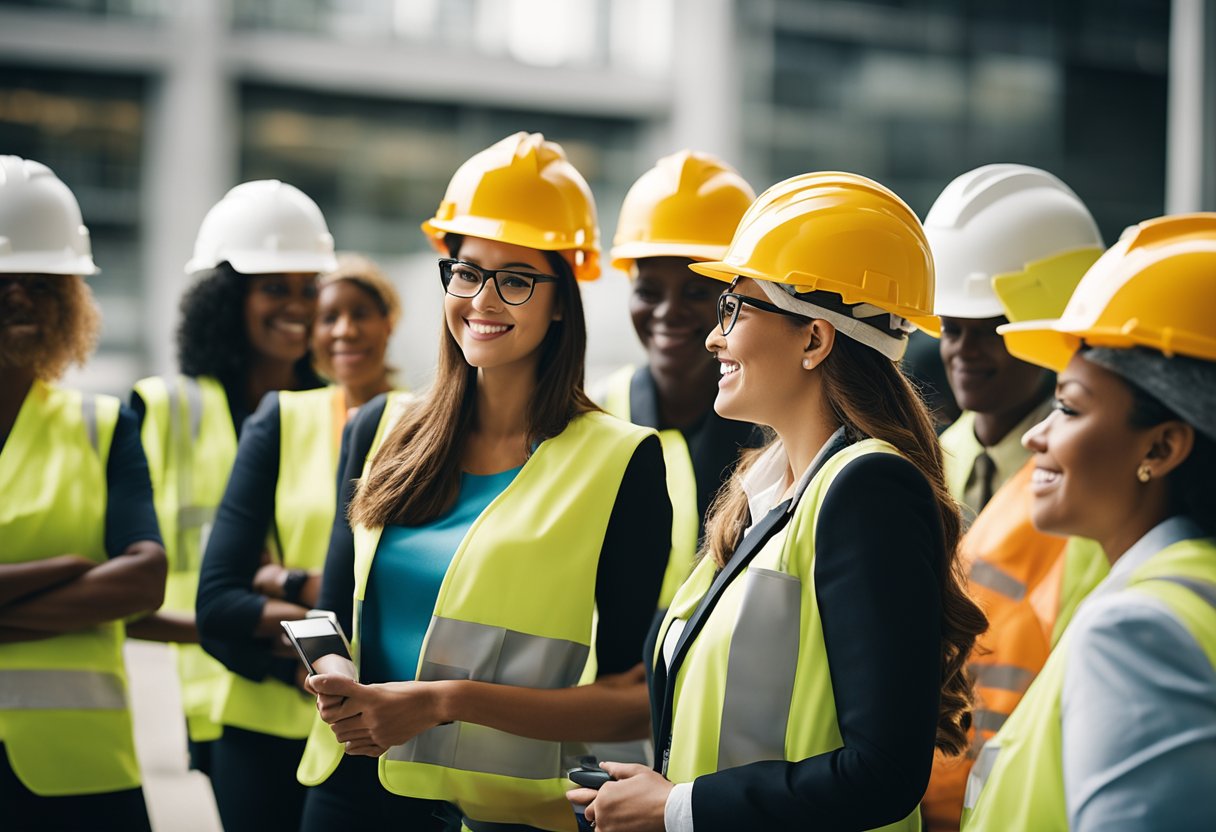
748, 576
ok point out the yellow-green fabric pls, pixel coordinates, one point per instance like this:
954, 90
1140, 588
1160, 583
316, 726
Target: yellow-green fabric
705, 738
1085, 566
304, 513
681, 488
64, 720
190, 443
1020, 786
960, 448
323, 752
539, 539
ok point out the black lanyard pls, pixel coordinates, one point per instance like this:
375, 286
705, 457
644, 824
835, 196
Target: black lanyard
761, 533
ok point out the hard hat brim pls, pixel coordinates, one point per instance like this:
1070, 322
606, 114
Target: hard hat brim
972, 309
1041, 343
626, 254
36, 262
261, 262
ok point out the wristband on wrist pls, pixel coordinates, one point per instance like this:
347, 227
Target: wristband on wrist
293, 585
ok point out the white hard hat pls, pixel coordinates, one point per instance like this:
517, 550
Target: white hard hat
264, 227
998, 220
41, 231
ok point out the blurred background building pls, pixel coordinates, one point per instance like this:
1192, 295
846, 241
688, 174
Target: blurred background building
151, 109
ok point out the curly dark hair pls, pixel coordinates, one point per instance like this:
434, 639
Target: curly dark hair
211, 335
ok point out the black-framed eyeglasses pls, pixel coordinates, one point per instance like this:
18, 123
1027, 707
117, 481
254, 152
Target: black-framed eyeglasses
464, 280
729, 304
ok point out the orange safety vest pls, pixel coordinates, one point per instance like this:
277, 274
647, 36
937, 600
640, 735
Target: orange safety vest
1029, 584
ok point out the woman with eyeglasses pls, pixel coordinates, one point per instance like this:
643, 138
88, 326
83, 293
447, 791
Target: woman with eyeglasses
814, 659
501, 527
1118, 730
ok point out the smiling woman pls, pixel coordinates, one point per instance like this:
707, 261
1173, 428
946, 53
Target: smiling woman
243, 335
502, 529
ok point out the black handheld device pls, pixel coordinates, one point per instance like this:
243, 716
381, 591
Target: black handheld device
322, 646
589, 776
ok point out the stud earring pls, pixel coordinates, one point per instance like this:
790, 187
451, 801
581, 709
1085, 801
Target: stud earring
807, 364
1144, 473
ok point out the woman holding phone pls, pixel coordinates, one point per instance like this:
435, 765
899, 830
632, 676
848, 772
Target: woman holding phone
1126, 458
266, 549
501, 529
814, 659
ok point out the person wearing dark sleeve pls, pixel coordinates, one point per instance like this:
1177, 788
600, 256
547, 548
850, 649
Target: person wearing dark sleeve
264, 555
486, 527
130, 515
812, 663
682, 210
875, 582
80, 550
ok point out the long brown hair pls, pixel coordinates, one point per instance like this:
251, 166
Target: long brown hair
415, 476
871, 398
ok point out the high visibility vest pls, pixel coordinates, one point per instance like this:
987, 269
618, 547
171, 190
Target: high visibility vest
190, 443
64, 720
515, 607
681, 488
309, 430
755, 684
1018, 781
1029, 585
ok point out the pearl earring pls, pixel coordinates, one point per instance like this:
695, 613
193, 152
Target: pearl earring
807, 364
1144, 473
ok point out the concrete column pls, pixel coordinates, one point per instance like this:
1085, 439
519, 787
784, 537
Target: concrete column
706, 80
190, 160
1191, 141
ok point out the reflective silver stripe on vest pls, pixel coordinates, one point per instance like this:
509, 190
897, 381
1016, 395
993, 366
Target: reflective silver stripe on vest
986, 720
88, 412
194, 517
66, 690
191, 519
1204, 589
979, 773
465, 650
1008, 677
991, 577
760, 670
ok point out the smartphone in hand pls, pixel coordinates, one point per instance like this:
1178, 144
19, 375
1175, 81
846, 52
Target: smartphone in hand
322, 646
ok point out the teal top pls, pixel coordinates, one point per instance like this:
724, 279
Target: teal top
405, 578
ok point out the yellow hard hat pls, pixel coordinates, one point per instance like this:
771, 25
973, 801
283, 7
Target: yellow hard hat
840, 233
687, 205
522, 191
1154, 288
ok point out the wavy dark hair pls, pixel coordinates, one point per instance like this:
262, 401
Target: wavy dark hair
211, 335
871, 397
415, 476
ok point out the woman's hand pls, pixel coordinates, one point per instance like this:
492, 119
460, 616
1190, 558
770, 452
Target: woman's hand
633, 801
269, 580
369, 719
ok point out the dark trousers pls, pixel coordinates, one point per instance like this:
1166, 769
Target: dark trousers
254, 779
353, 798
21, 809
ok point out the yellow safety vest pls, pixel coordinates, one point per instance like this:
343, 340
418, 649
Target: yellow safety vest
190, 442
1029, 585
681, 488
516, 607
304, 513
1018, 781
64, 720
755, 684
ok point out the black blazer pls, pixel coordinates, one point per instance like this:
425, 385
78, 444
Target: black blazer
879, 563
